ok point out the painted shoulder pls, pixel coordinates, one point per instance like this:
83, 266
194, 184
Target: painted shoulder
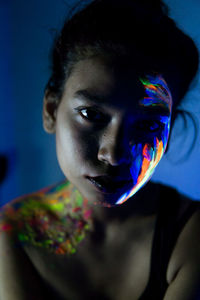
47, 219
28, 216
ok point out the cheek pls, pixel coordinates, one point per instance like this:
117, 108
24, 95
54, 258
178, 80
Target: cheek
145, 158
74, 147
67, 148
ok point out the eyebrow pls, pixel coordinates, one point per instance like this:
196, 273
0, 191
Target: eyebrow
88, 96
92, 97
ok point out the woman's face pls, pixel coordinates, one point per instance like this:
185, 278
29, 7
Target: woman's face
112, 126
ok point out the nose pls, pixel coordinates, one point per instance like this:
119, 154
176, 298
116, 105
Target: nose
115, 147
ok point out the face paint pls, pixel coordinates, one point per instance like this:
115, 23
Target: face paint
56, 219
146, 156
158, 93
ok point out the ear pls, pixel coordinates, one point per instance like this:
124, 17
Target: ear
50, 105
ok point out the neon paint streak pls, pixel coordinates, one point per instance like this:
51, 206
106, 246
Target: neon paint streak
157, 92
147, 170
146, 157
56, 218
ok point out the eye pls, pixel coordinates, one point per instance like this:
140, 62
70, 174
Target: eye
150, 126
91, 114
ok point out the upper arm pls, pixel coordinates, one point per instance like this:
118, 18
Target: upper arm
186, 284
18, 278
11, 284
183, 273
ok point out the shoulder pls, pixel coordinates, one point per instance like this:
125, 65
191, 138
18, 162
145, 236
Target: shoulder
14, 217
25, 204
24, 213
39, 219
187, 247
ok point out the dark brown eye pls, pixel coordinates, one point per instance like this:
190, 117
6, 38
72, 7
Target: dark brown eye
91, 115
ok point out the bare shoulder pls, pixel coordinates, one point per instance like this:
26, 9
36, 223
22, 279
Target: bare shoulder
18, 278
27, 210
187, 248
23, 221
46, 219
18, 219
15, 214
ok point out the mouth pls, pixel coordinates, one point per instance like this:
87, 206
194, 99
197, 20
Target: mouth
107, 186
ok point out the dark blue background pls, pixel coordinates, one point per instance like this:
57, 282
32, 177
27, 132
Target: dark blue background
25, 40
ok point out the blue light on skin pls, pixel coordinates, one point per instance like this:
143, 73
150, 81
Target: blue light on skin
146, 156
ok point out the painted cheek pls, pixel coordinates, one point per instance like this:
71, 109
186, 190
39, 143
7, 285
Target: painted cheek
145, 158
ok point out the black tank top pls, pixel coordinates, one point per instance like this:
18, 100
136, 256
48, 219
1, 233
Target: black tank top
174, 210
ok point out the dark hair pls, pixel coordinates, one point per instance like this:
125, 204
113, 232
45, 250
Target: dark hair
117, 29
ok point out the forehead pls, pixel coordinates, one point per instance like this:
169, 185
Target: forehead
116, 84
104, 78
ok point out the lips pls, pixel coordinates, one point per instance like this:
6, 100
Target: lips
107, 185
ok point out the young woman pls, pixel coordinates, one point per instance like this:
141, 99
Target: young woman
120, 69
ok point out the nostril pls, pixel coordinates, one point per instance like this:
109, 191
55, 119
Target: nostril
115, 157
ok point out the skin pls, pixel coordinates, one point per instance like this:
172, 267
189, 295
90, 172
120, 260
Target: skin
88, 148
82, 150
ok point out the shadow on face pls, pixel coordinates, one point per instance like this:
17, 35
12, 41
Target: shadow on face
104, 128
